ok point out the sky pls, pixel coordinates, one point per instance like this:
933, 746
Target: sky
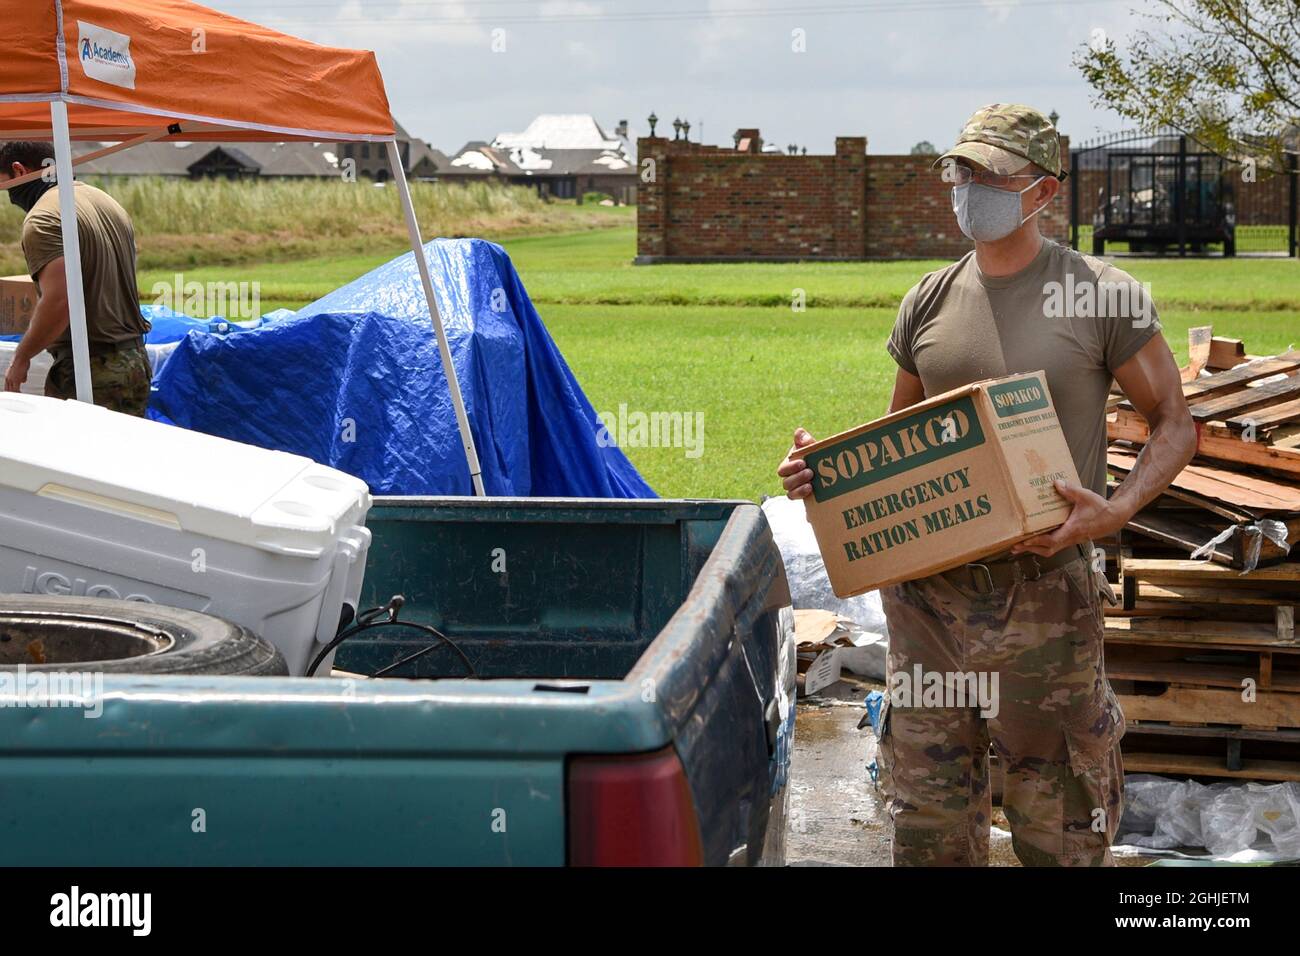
802, 71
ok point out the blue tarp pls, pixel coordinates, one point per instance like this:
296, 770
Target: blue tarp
168, 326
354, 381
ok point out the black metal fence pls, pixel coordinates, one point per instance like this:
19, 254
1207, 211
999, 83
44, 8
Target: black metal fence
1162, 193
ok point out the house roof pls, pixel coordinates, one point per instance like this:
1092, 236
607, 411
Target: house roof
554, 144
479, 158
560, 131
175, 159
568, 162
234, 153
420, 151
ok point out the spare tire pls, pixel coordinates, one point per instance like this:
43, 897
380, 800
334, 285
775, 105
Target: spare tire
57, 633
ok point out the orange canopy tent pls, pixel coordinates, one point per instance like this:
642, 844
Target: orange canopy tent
125, 72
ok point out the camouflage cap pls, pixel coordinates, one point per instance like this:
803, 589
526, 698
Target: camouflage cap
1002, 137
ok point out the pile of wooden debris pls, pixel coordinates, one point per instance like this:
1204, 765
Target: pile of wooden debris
1203, 652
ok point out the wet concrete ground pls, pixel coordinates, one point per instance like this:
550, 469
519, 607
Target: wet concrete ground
837, 815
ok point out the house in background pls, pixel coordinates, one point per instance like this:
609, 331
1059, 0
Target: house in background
421, 160
279, 160
561, 155
229, 160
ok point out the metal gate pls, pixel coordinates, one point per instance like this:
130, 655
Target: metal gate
1161, 193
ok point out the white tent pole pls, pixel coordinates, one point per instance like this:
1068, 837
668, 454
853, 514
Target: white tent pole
413, 228
71, 250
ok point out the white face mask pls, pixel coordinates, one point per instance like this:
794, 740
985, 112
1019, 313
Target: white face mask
986, 214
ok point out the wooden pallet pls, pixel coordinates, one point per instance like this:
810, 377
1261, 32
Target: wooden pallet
1205, 660
1188, 640
1197, 592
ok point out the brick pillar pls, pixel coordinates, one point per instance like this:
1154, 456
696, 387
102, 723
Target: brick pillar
1054, 221
850, 214
652, 198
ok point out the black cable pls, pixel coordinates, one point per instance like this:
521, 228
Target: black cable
362, 621
442, 639
369, 620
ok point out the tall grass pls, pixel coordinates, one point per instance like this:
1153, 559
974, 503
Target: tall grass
188, 222
308, 207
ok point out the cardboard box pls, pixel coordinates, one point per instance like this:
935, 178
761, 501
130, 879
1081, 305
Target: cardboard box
826, 645
17, 303
953, 479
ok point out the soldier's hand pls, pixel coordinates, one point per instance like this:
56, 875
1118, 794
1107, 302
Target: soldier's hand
1090, 519
796, 476
16, 375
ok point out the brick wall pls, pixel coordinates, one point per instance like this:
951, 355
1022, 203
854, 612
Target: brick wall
710, 203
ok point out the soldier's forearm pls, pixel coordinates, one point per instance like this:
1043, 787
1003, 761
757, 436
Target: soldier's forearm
48, 323
1169, 448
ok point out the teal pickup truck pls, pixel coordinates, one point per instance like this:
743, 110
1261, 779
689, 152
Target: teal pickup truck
632, 702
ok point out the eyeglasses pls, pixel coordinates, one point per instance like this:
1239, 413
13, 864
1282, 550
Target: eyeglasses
961, 175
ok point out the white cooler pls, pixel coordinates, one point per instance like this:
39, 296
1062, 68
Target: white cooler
101, 504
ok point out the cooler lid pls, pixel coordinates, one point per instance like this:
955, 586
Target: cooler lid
170, 476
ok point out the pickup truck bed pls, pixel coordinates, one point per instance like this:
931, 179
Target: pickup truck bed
633, 704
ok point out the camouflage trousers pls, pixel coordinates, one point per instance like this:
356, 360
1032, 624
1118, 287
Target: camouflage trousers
1055, 723
119, 380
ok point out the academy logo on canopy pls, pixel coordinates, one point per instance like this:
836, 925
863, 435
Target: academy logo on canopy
105, 55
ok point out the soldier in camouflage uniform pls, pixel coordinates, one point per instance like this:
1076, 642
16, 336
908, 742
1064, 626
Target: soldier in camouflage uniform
1026, 622
1056, 730
115, 328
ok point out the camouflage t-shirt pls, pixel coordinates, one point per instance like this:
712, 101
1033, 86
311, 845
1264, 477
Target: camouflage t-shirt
1074, 316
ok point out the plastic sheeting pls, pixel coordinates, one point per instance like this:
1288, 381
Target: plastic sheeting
1250, 820
354, 381
806, 571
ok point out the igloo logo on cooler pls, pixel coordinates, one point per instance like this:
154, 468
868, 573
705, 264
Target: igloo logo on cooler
105, 55
36, 581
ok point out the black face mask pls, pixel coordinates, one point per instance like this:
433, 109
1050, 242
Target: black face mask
26, 195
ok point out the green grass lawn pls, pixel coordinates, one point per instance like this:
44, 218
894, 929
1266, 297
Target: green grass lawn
756, 373
1270, 239
595, 267
723, 340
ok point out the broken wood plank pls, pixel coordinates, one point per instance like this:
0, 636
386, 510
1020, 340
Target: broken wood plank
1177, 569
1199, 341
1180, 632
1181, 532
1236, 404
1194, 765
1225, 354
1214, 705
1190, 672
1234, 378
1215, 442
1177, 591
1220, 489
1264, 419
